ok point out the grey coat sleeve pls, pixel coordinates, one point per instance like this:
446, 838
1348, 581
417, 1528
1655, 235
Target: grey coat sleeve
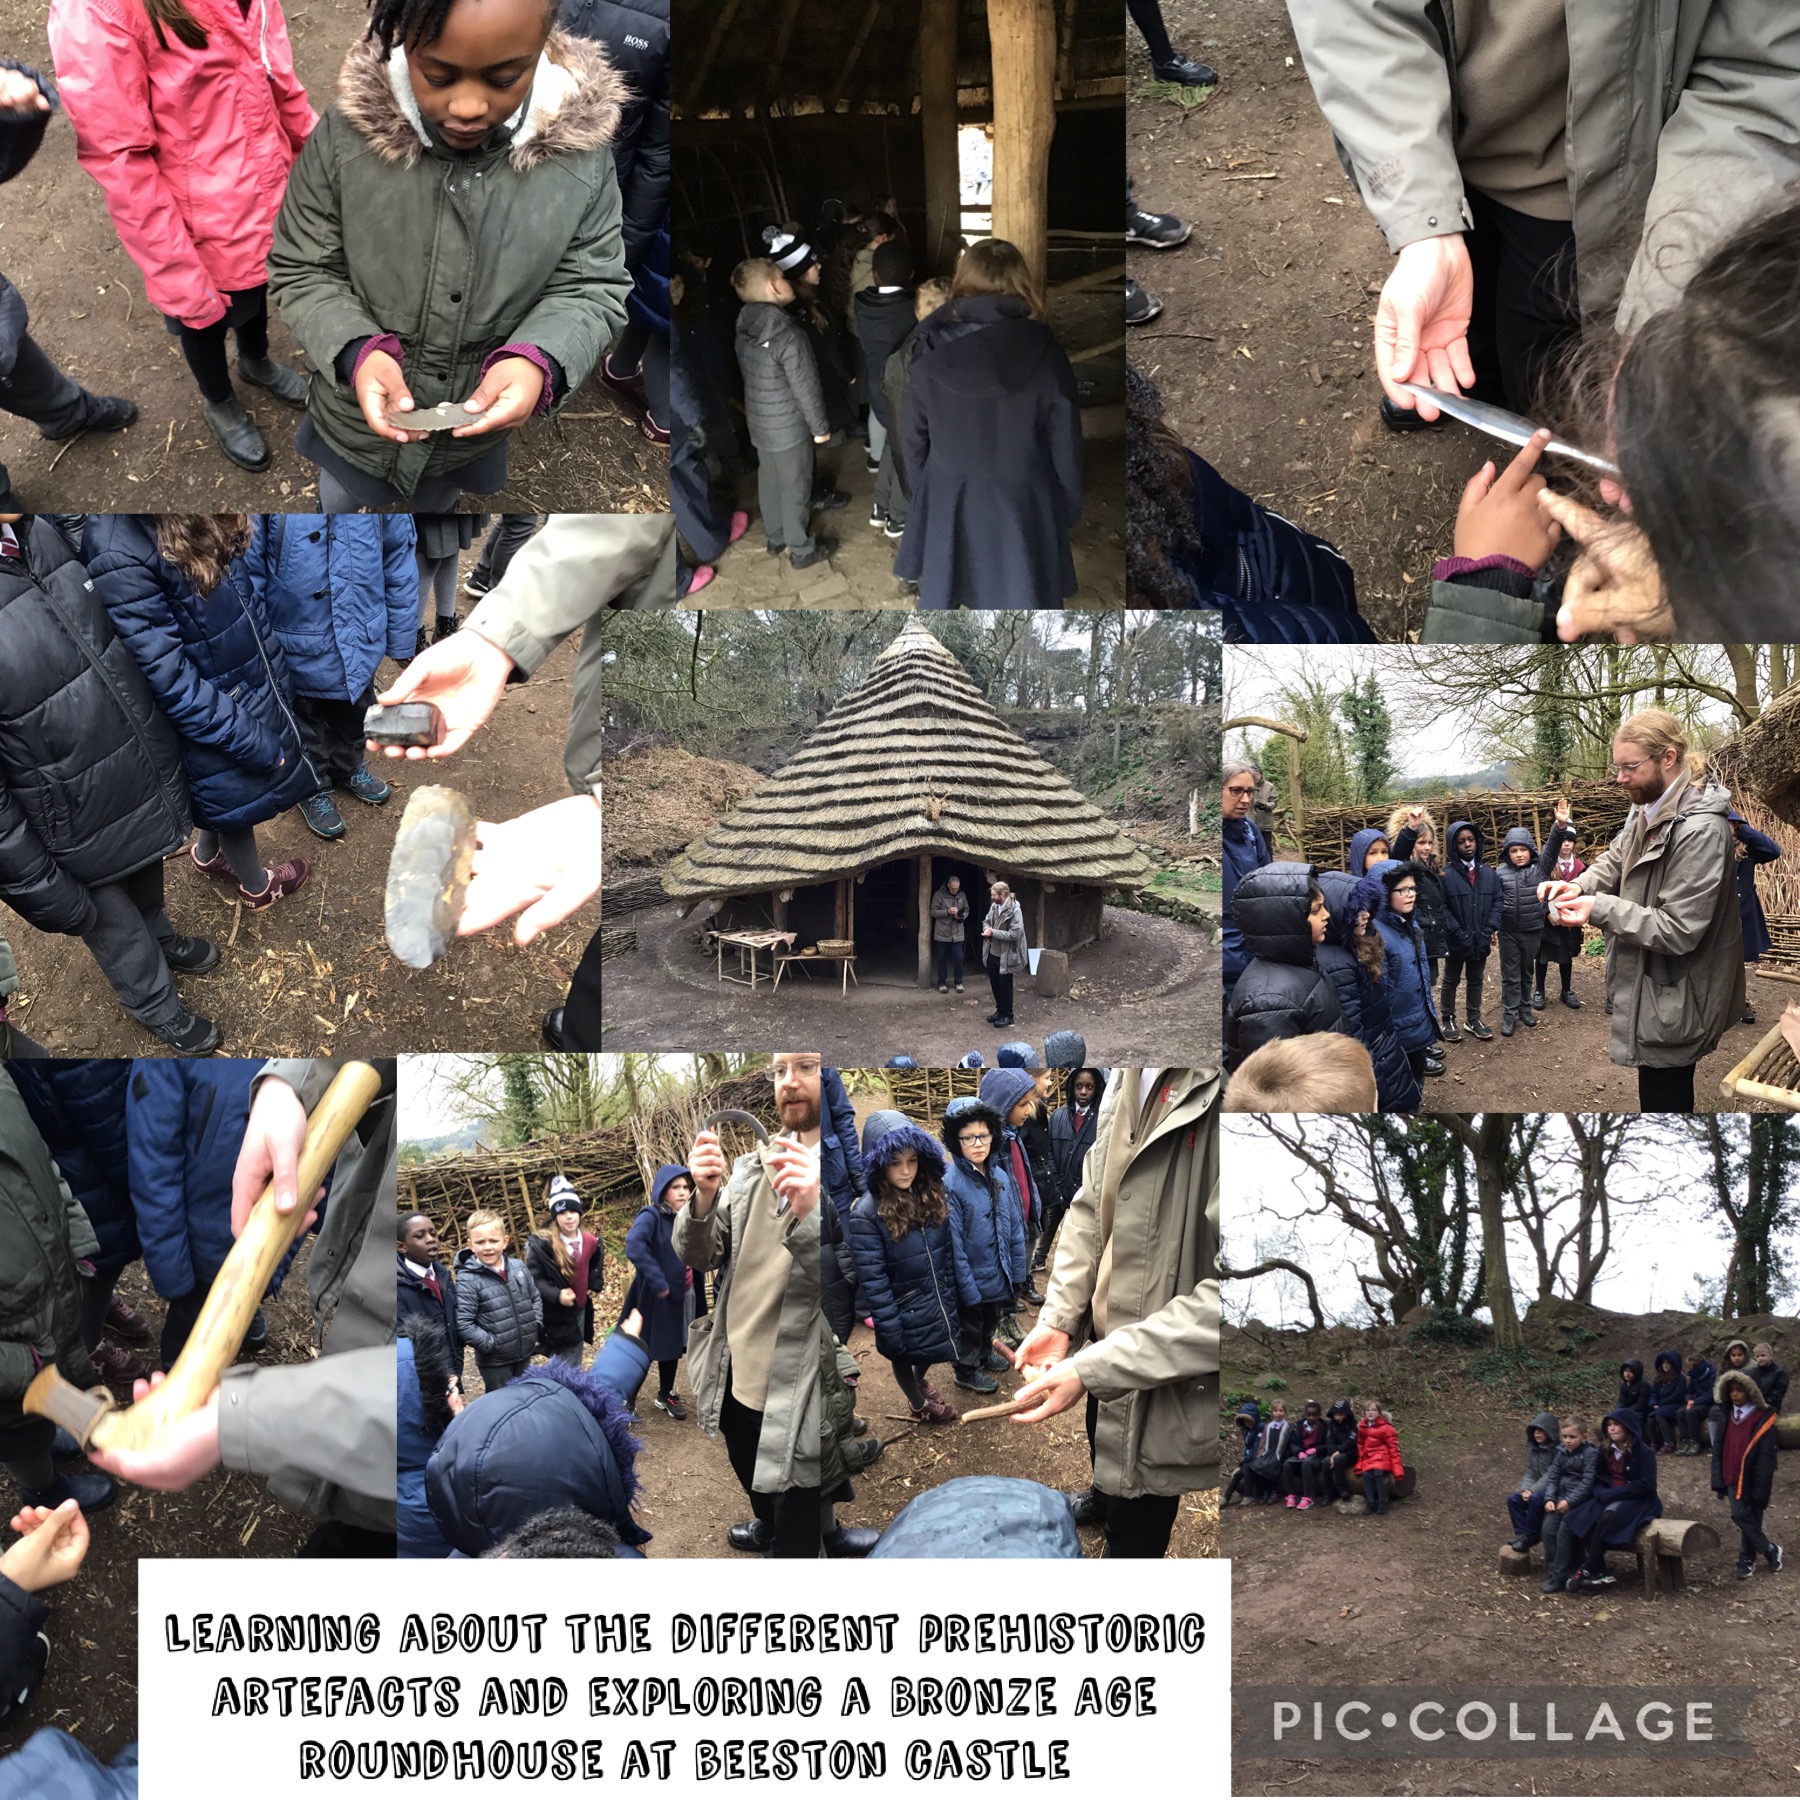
802, 370
1730, 146
1379, 71
1694, 868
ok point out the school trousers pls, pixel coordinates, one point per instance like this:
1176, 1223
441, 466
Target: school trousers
784, 483
332, 731
1456, 967
1518, 959
1666, 1090
127, 940
1753, 1540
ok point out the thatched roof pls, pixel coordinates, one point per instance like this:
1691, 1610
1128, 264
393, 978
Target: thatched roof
911, 760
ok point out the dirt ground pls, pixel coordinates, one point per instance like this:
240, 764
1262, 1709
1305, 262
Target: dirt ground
1563, 1062
312, 976
1147, 992
90, 1686
1411, 1594
1263, 351
87, 306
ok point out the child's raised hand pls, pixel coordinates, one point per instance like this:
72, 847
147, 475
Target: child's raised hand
54, 1543
381, 388
1615, 587
508, 395
1499, 514
1562, 810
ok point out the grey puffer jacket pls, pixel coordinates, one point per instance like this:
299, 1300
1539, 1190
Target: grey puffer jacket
498, 1311
1665, 895
1683, 120
784, 402
1007, 945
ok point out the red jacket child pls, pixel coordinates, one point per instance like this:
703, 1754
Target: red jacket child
1377, 1447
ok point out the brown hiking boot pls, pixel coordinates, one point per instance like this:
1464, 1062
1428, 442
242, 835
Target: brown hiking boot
284, 879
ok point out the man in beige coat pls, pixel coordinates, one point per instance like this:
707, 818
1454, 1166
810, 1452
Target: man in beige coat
1665, 894
754, 1359
1137, 1276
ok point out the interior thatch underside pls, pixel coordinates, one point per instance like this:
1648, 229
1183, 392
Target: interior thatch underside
912, 760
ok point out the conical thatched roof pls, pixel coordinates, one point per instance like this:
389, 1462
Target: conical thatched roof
912, 760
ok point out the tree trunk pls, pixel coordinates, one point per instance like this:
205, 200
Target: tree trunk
1491, 1139
937, 122
1022, 34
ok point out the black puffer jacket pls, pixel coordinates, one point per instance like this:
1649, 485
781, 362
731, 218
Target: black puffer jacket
636, 36
784, 405
498, 1311
1521, 910
91, 788
1282, 993
1428, 909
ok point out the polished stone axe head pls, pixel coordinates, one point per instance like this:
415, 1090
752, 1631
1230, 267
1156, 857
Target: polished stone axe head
428, 875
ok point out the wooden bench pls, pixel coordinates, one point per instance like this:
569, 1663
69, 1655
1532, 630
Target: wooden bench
1660, 1548
808, 959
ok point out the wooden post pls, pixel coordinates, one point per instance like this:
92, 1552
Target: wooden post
856, 49
925, 920
841, 917
721, 25
1023, 37
937, 125
778, 911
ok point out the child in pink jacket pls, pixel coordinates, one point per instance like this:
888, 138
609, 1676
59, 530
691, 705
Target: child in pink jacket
189, 114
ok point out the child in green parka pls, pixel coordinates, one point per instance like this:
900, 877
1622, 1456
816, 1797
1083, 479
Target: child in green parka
451, 234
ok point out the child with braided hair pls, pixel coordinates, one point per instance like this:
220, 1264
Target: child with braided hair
451, 234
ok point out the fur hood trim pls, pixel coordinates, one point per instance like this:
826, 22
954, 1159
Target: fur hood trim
575, 103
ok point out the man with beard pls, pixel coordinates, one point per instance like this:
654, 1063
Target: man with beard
1137, 1275
754, 1361
1665, 894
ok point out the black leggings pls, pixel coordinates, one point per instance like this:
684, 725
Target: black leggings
1666, 1090
204, 346
1565, 964
96, 1297
1146, 15
1375, 1489
792, 1516
240, 852
641, 347
665, 1375
909, 1373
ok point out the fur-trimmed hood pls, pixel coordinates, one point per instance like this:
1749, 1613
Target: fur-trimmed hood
1735, 1376
962, 1111
575, 103
900, 1138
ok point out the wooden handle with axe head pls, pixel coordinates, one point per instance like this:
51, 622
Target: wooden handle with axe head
92, 1417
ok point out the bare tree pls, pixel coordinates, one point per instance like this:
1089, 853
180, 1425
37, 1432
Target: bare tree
1488, 1140
1564, 1195
1753, 1161
1267, 1266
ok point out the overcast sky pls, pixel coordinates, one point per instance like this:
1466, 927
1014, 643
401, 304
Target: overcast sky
1663, 1232
429, 1105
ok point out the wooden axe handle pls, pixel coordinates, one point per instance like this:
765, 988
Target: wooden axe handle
1004, 1410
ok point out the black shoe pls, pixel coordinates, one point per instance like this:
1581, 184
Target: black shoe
1477, 1028
63, 1445
103, 412
1746, 1567
187, 1034
258, 1334
753, 1535
993, 1018
22, 1678
1569, 1000
288, 386
1161, 231
859, 1426
820, 552
1528, 1017
1141, 306
829, 500
1506, 1026
1609, 1012
1028, 1295
552, 1028
237, 434
1521, 1544
774, 549
1404, 418
191, 955
1538, 1000
892, 529
977, 1381
422, 643
1002, 1022
877, 518
1749, 1017
445, 627
1553, 1585
670, 1404
1185, 71
1773, 1557
1434, 1065
872, 463
1088, 1507
1451, 1034
871, 1449
95, 1493
851, 1540
996, 1364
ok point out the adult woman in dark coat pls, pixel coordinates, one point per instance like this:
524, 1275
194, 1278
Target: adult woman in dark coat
180, 597
991, 443
662, 1287
1753, 848
1624, 1497
92, 796
900, 1236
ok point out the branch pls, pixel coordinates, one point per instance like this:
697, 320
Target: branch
1280, 1262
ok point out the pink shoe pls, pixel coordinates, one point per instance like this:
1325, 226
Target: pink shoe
740, 523
1292, 1501
216, 864
1306, 1503
284, 879
701, 577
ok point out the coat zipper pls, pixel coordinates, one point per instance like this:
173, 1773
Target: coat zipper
937, 1293
274, 685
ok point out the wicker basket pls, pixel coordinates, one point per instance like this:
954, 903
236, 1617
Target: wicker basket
1770, 1073
837, 946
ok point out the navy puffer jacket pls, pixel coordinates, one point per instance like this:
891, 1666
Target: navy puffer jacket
1282, 992
987, 1218
558, 1436
1368, 1014
909, 1284
1408, 975
91, 788
341, 591
1471, 910
79, 1110
840, 1152
217, 671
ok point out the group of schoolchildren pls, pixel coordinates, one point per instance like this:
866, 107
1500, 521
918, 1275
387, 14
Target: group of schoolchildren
964, 403
1324, 1456
1580, 1498
559, 1430
1380, 953
466, 224
169, 673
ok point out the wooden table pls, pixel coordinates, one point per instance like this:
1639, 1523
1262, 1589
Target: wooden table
785, 958
747, 943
